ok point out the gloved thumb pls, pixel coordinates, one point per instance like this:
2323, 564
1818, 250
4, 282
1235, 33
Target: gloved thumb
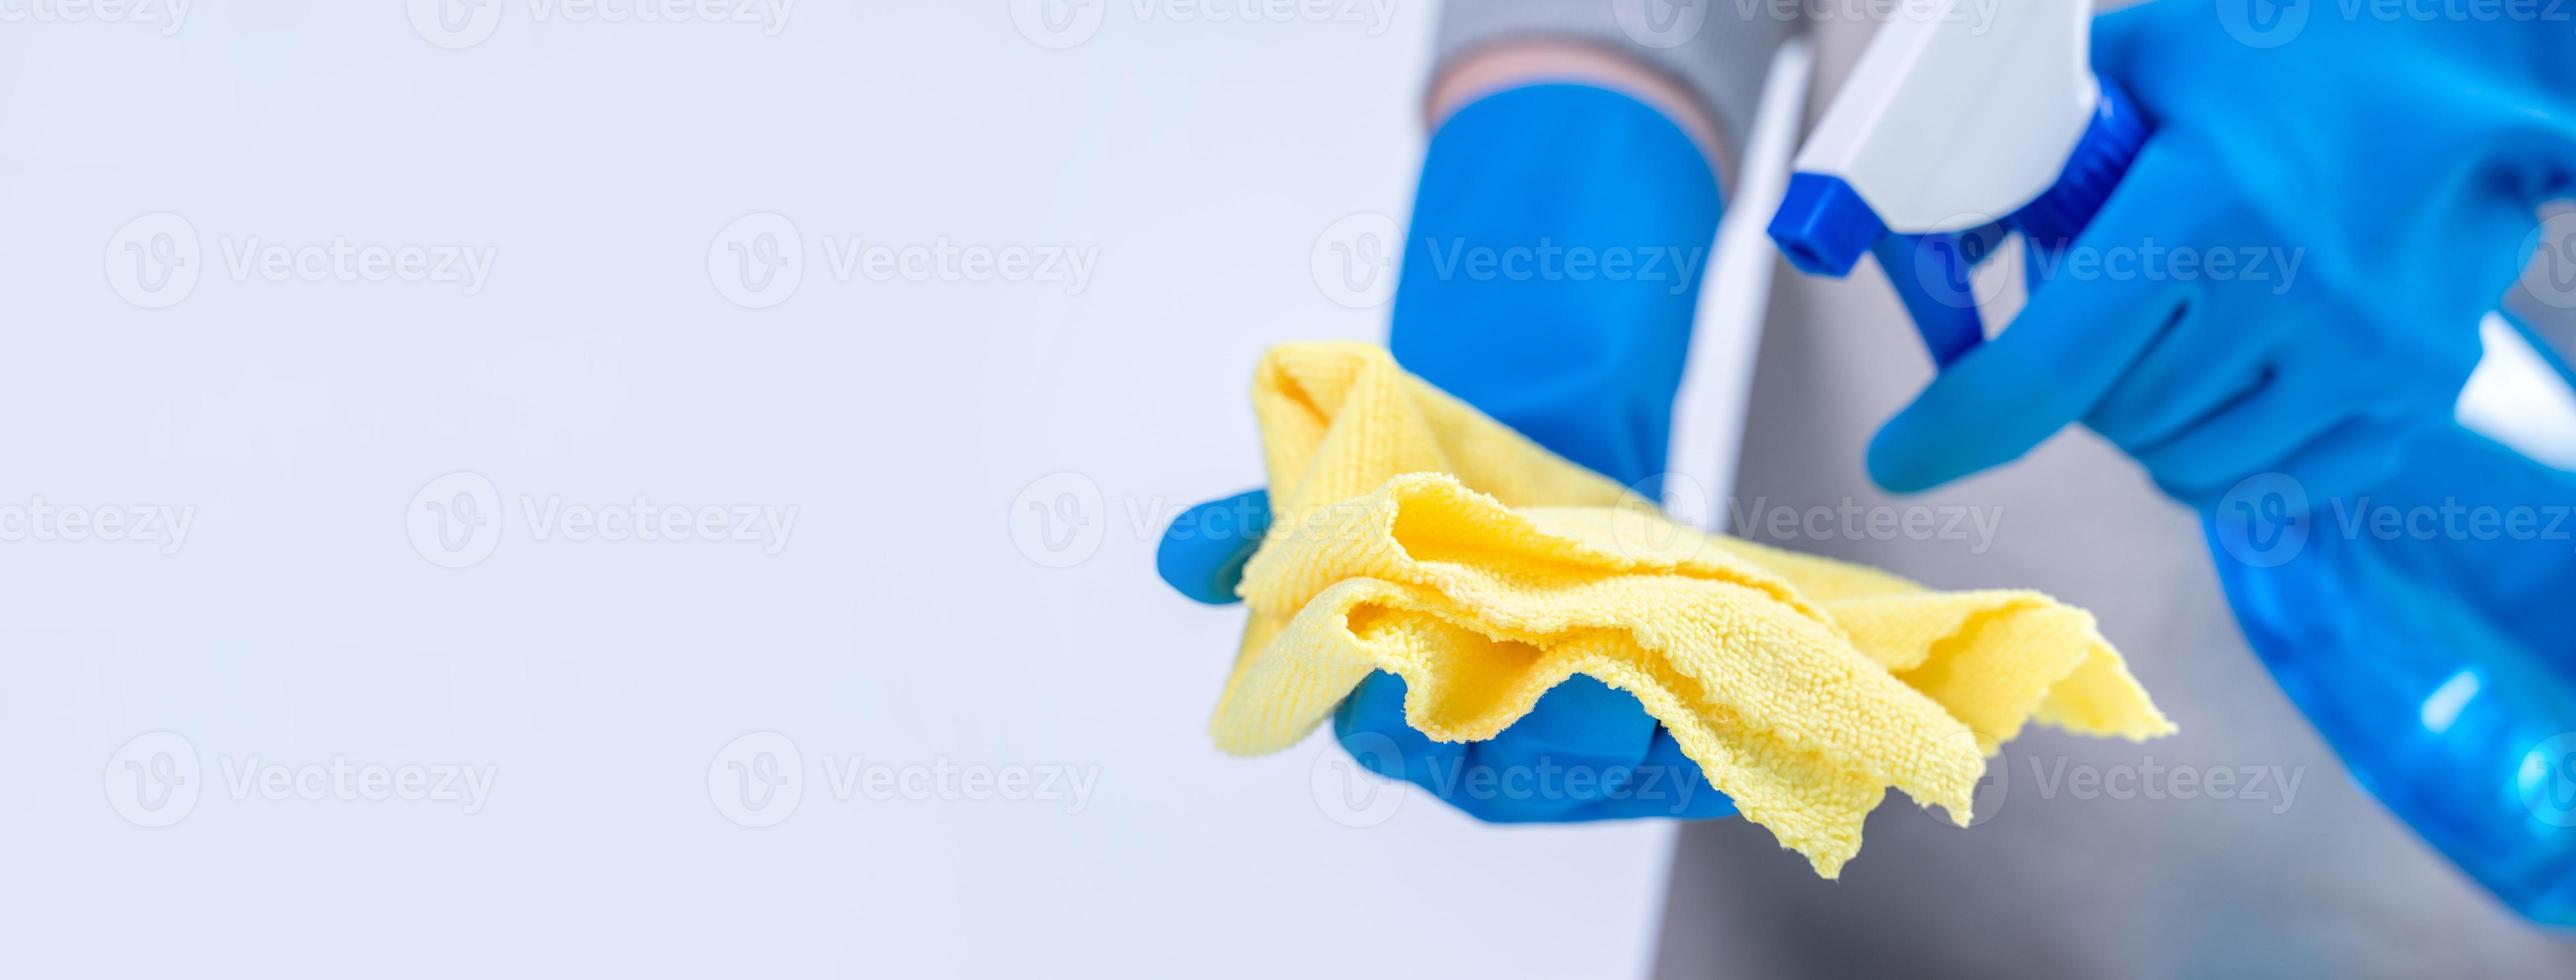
1204, 549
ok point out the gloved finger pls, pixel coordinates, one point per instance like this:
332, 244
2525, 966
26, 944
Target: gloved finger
2496, 226
2122, 36
1578, 746
2282, 426
2350, 458
2258, 434
1370, 726
2073, 341
1667, 784
1576, 756
2181, 381
2309, 424
1202, 553
2532, 160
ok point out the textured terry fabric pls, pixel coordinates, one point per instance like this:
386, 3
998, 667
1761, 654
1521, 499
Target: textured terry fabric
1419, 537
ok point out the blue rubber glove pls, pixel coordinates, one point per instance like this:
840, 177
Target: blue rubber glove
2372, 185
1549, 279
2422, 627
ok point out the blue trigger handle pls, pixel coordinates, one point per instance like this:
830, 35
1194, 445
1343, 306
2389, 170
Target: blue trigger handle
1823, 227
1931, 274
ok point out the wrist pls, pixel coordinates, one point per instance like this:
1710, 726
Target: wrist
1518, 64
1552, 269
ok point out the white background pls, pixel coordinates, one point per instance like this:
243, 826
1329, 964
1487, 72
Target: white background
305, 422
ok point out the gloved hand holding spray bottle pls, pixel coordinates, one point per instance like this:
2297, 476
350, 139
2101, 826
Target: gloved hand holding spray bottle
2440, 669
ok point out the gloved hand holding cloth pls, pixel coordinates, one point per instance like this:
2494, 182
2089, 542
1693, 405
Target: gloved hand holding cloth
1418, 537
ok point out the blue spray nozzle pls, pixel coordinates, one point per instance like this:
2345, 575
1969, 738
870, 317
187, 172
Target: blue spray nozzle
1823, 226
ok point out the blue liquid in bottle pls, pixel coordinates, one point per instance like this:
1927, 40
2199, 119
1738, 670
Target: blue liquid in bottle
2428, 657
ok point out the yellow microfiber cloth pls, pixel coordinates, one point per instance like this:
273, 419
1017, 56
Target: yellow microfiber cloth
1417, 536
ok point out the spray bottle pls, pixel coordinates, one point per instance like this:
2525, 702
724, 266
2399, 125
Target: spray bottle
1969, 120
